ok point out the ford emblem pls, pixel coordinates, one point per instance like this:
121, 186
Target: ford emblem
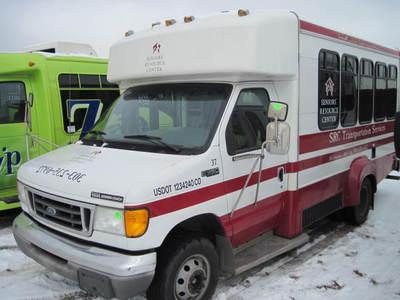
51, 211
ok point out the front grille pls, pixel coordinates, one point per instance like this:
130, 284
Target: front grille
63, 213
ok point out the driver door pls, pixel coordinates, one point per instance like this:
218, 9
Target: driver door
254, 207
13, 129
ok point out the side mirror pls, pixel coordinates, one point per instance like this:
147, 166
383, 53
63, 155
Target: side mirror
277, 110
277, 132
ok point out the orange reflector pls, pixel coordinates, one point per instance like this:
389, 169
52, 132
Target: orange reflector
31, 63
136, 222
170, 22
129, 33
188, 19
243, 12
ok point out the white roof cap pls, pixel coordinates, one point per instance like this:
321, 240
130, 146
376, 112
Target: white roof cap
224, 46
63, 48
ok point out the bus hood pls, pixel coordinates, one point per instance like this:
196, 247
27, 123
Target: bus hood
103, 176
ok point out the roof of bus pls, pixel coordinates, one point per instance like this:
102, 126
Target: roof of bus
320, 30
19, 62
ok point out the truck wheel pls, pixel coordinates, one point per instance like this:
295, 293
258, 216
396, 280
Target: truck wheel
357, 215
187, 269
397, 134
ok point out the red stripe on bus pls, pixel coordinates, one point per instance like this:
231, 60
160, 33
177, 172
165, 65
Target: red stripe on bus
332, 138
198, 196
346, 38
326, 158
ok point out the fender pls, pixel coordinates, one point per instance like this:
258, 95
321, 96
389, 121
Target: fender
360, 168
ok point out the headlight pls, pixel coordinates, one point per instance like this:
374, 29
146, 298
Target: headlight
131, 223
109, 220
136, 222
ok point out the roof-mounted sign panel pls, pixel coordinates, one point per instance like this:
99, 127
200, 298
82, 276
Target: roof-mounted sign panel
226, 46
67, 48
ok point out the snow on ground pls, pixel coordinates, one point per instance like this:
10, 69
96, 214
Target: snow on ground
363, 263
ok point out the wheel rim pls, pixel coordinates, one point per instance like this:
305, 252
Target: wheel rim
193, 278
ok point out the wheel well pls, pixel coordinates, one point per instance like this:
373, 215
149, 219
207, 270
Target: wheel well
208, 226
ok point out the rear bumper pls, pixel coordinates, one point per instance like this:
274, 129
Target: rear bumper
99, 271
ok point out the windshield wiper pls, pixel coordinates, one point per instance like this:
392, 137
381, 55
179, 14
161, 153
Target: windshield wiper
154, 139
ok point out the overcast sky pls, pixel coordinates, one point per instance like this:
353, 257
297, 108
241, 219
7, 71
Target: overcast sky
101, 23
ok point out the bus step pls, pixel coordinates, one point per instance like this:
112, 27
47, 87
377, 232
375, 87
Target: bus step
393, 177
266, 249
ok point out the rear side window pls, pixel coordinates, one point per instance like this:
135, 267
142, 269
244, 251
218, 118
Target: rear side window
12, 102
380, 91
349, 91
391, 93
328, 90
246, 128
366, 91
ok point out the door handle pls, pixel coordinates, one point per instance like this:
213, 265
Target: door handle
281, 172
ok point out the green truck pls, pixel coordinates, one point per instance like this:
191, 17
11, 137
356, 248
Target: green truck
47, 99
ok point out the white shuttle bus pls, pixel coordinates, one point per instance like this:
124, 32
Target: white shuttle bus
234, 134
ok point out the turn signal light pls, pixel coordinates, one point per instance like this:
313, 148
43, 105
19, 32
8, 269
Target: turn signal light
170, 22
136, 222
243, 12
188, 19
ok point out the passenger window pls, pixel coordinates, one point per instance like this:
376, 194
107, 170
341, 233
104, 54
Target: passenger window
349, 94
68, 81
391, 93
366, 91
12, 102
246, 127
90, 81
380, 91
328, 90
106, 84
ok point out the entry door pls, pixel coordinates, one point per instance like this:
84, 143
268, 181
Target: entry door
13, 128
255, 207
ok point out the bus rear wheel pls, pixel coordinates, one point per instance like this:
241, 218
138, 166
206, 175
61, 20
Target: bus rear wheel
357, 215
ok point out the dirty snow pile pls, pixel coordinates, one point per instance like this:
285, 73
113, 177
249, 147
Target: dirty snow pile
362, 264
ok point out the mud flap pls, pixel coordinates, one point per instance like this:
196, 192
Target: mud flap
95, 284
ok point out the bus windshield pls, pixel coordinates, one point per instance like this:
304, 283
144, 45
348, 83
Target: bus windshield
167, 118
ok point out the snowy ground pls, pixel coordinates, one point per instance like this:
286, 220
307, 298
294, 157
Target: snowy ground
342, 263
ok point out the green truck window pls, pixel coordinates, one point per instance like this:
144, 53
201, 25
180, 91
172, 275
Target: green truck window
91, 87
12, 102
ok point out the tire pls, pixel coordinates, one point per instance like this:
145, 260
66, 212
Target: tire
187, 267
357, 215
397, 134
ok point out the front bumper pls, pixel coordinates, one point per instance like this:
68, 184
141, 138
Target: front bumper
99, 271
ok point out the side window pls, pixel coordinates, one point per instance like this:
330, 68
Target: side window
380, 91
349, 91
366, 91
12, 102
246, 127
80, 95
391, 93
328, 90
